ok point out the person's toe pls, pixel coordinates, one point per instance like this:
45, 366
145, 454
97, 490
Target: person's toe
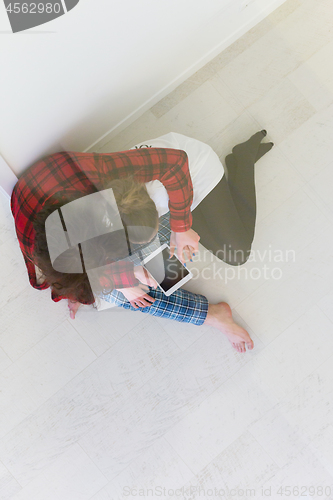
250, 344
239, 346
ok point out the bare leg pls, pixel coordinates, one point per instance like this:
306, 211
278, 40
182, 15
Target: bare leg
219, 316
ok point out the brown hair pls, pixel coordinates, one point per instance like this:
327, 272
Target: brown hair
136, 208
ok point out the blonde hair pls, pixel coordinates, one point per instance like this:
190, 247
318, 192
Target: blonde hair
136, 208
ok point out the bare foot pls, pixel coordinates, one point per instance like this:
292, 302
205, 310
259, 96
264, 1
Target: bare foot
220, 316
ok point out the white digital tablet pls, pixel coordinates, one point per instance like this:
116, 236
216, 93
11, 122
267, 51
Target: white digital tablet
169, 273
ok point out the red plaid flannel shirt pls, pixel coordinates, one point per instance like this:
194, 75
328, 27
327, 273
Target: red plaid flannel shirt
86, 173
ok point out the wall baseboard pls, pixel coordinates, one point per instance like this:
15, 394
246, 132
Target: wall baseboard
129, 119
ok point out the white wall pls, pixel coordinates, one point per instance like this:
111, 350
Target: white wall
7, 178
89, 73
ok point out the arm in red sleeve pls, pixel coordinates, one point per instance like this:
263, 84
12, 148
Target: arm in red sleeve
169, 166
178, 183
32, 275
120, 274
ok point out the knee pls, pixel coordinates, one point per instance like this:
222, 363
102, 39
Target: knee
238, 260
237, 257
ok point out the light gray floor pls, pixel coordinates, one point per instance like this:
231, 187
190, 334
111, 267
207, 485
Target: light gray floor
117, 399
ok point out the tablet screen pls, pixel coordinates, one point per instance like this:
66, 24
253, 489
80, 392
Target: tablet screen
174, 271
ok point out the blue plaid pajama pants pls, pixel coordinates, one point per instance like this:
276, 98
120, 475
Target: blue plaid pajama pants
182, 305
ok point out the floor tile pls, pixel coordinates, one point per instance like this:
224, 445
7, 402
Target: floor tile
160, 466
283, 109
309, 148
80, 479
326, 305
209, 427
40, 373
96, 393
304, 476
117, 398
201, 114
302, 416
221, 477
8, 484
302, 283
314, 78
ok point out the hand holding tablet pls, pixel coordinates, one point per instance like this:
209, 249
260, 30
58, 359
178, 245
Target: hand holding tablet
144, 277
186, 242
169, 273
137, 296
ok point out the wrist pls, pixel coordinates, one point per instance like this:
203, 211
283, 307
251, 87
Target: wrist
136, 270
180, 228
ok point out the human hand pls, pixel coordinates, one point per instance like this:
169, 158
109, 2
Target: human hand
144, 276
136, 296
73, 307
187, 242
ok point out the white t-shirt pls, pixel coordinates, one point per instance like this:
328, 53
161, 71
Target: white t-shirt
205, 168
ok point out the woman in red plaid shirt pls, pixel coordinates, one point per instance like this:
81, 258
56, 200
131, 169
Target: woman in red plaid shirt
224, 218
